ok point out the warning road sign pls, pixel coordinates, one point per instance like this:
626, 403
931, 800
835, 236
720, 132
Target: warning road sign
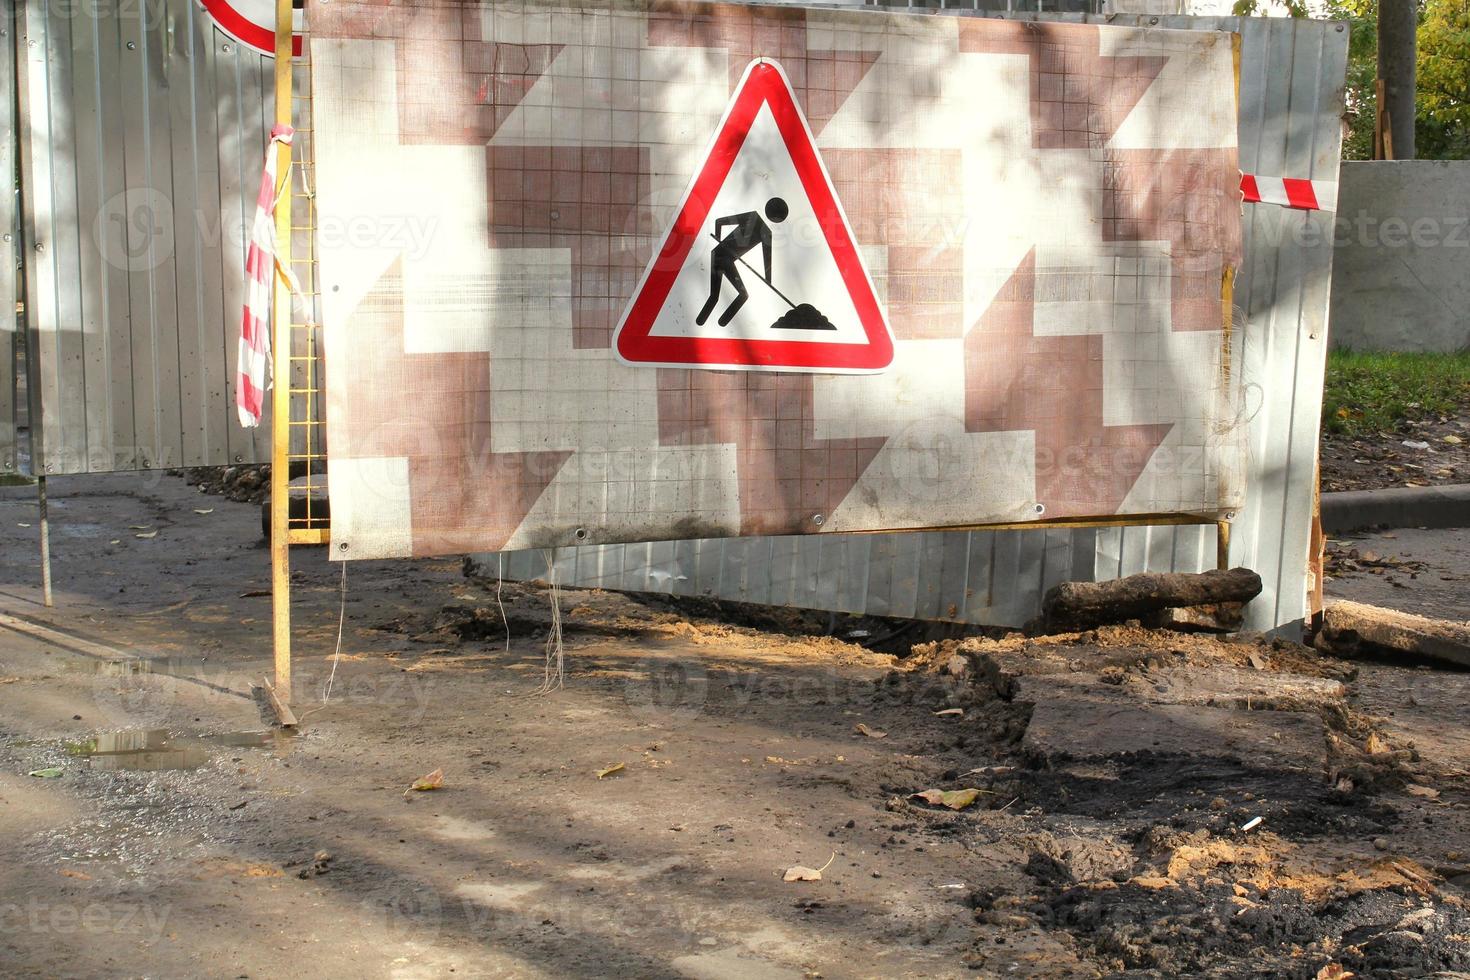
759, 270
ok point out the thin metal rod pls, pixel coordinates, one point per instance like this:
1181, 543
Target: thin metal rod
281, 396
758, 275
45, 541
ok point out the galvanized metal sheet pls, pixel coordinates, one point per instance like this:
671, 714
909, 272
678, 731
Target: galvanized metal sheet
11, 388
141, 124
1290, 102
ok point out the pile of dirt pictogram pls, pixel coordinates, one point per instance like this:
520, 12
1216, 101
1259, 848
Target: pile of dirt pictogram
803, 317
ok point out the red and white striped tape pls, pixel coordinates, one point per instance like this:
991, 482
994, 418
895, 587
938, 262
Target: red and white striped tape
253, 378
1290, 192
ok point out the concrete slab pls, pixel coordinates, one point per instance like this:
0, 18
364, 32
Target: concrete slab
1068, 728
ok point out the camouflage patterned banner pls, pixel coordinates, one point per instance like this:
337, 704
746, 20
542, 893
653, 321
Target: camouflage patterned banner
650, 271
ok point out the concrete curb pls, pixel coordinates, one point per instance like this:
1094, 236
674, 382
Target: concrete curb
1352, 510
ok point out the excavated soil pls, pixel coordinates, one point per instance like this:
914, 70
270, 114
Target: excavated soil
1127, 802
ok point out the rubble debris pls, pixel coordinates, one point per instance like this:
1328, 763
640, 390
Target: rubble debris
1079, 605
1215, 617
247, 484
1354, 629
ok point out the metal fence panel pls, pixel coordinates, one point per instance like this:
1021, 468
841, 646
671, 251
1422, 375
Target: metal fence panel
1291, 94
10, 387
141, 128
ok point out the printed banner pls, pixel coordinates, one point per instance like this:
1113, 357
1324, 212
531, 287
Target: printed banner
641, 271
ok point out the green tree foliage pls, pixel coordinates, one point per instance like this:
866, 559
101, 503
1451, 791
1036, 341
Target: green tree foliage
1442, 126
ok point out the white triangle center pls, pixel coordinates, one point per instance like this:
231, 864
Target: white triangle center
804, 273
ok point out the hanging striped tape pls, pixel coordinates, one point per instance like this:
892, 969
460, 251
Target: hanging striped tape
1290, 192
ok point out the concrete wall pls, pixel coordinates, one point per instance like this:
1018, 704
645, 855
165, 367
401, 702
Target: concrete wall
1401, 265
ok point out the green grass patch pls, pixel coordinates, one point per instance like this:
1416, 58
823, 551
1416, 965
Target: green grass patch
1369, 391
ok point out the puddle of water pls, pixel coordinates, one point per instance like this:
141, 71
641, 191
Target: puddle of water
156, 749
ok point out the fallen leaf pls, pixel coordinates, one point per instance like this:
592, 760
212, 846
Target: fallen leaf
434, 780
1453, 440
1335, 971
1376, 745
800, 872
955, 799
1370, 556
139, 527
18, 524
115, 541
207, 510
862, 729
146, 534
50, 772
1414, 789
616, 767
950, 713
72, 873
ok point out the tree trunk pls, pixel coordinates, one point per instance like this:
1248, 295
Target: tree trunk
1078, 605
1398, 22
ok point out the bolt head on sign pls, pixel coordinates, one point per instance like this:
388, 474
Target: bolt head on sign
759, 270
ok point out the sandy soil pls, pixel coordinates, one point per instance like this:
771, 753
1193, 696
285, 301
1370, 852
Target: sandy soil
1115, 773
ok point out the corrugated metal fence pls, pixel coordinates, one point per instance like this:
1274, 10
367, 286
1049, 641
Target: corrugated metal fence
141, 135
10, 409
1291, 92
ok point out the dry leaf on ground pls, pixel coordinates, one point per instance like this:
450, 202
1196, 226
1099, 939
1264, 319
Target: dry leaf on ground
955, 799
616, 767
800, 872
862, 729
434, 780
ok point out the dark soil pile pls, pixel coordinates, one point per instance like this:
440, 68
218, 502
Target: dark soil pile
248, 484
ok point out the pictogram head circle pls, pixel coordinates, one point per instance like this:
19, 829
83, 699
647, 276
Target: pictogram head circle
776, 209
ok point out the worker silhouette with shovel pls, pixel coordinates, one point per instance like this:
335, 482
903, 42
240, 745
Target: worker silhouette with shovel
749, 231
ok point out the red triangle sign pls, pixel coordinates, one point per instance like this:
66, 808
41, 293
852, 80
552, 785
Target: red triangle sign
759, 270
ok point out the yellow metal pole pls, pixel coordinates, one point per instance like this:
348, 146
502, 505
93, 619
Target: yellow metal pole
281, 373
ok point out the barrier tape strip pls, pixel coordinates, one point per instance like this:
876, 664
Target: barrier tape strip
1290, 192
253, 373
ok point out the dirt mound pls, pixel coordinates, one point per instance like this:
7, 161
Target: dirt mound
804, 317
246, 484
